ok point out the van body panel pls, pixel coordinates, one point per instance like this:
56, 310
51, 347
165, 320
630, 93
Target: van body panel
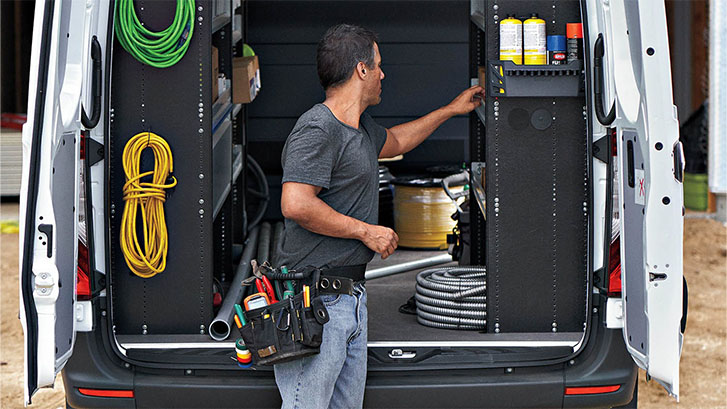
603, 361
651, 271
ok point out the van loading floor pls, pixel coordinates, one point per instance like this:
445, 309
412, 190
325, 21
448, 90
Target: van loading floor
387, 294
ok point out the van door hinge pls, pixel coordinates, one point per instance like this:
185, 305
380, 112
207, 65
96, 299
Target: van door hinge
600, 148
93, 151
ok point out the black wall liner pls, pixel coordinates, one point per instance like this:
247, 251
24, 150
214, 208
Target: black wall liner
537, 195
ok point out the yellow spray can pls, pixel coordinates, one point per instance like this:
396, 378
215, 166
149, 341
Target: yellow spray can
511, 39
534, 41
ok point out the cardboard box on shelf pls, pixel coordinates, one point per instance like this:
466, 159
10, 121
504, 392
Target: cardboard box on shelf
215, 72
246, 79
481, 76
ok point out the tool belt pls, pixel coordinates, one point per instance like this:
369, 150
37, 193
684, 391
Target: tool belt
289, 329
292, 328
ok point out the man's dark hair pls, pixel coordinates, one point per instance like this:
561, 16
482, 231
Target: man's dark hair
341, 48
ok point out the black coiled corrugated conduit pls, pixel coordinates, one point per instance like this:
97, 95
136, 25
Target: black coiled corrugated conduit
452, 298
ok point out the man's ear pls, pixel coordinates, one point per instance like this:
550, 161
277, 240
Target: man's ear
361, 70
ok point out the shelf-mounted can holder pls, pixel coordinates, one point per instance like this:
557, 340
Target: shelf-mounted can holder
511, 80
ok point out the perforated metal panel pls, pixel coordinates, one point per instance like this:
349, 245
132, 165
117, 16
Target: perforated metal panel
537, 184
175, 103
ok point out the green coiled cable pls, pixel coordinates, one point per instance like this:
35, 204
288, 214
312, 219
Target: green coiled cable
157, 49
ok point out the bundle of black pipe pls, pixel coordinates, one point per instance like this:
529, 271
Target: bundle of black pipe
452, 298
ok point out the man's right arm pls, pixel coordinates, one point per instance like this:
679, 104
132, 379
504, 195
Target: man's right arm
300, 203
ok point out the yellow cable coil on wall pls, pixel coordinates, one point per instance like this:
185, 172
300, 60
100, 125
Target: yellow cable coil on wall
145, 200
423, 214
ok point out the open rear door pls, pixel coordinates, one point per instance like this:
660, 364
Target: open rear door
60, 66
637, 79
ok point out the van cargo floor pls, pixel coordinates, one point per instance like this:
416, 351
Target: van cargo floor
387, 294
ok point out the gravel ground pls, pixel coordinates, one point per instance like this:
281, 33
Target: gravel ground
703, 364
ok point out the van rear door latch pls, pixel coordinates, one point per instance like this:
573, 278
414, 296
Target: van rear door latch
399, 354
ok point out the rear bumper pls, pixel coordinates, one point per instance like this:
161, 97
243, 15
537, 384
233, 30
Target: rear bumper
604, 361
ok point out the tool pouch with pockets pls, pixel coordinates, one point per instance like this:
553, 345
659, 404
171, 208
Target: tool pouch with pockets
286, 330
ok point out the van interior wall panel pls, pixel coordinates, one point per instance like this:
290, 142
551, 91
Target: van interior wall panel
424, 47
166, 102
537, 197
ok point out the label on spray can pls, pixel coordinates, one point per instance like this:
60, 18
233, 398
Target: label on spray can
511, 40
556, 50
534, 41
574, 32
556, 57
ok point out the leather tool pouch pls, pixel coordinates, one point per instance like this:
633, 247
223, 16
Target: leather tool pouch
287, 330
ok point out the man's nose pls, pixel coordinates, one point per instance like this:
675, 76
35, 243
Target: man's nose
382, 74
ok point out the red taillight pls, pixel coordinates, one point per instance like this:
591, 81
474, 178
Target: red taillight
591, 390
614, 268
83, 145
107, 393
83, 286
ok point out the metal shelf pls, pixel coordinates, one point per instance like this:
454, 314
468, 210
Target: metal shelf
236, 109
220, 21
477, 175
480, 110
221, 201
220, 131
237, 163
219, 104
236, 37
479, 20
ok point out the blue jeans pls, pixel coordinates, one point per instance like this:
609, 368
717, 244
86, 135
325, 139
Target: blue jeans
335, 378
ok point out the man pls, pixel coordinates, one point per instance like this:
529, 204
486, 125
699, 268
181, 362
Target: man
330, 205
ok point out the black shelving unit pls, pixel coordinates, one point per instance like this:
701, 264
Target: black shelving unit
533, 140
206, 136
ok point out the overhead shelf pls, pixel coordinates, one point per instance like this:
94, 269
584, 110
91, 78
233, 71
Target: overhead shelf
236, 37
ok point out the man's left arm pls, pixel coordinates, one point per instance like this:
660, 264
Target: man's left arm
407, 136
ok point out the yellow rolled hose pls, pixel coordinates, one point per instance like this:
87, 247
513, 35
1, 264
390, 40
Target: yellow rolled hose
423, 216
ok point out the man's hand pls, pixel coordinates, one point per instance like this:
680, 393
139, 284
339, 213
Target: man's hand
467, 101
380, 239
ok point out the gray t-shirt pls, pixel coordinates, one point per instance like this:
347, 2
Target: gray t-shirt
323, 151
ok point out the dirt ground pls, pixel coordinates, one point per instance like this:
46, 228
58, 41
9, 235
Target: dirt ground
703, 363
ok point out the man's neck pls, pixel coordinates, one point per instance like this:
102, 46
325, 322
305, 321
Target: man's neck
346, 105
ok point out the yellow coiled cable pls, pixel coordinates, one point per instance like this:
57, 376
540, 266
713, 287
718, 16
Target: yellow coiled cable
423, 216
146, 199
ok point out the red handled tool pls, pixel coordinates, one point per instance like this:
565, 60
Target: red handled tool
264, 286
